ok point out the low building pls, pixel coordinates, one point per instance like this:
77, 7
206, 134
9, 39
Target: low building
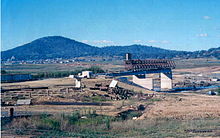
86, 74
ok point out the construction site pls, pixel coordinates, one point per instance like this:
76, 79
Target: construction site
150, 89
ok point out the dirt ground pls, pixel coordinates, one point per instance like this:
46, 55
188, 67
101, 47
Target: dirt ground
203, 70
40, 83
185, 105
112, 109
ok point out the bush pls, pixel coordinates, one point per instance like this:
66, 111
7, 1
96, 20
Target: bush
218, 92
95, 69
3, 72
129, 114
52, 123
5, 121
107, 122
74, 117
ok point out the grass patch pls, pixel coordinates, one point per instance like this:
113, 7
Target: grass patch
96, 98
93, 125
154, 100
218, 91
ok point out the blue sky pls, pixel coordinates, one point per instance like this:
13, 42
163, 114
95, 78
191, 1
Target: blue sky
172, 24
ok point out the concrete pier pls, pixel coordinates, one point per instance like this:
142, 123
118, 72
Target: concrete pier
166, 80
78, 82
143, 81
148, 81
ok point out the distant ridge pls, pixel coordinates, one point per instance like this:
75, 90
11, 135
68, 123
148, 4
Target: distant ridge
50, 47
60, 47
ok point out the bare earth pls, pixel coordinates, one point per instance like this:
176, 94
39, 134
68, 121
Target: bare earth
187, 105
184, 106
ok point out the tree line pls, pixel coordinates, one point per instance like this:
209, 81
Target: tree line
59, 74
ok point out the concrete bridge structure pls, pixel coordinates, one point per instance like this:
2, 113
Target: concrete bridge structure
143, 72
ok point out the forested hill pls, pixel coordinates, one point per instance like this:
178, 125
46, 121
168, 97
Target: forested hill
61, 47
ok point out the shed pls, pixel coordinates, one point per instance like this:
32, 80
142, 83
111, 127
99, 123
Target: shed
86, 74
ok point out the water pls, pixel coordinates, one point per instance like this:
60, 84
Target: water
184, 89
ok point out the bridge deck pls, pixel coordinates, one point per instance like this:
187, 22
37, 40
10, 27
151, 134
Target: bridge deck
148, 64
126, 73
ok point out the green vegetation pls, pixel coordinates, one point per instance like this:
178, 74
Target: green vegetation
59, 74
3, 72
218, 91
47, 71
95, 69
91, 124
130, 114
96, 98
59, 123
154, 100
42, 68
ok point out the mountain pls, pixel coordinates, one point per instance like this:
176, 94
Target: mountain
50, 47
61, 47
140, 51
211, 53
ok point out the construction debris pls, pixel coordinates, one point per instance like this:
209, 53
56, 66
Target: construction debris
121, 93
24, 102
212, 93
113, 84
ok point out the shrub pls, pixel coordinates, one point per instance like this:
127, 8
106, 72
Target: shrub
52, 123
74, 117
218, 92
3, 72
107, 123
95, 69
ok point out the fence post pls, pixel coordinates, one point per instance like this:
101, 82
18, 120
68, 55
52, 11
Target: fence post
11, 112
